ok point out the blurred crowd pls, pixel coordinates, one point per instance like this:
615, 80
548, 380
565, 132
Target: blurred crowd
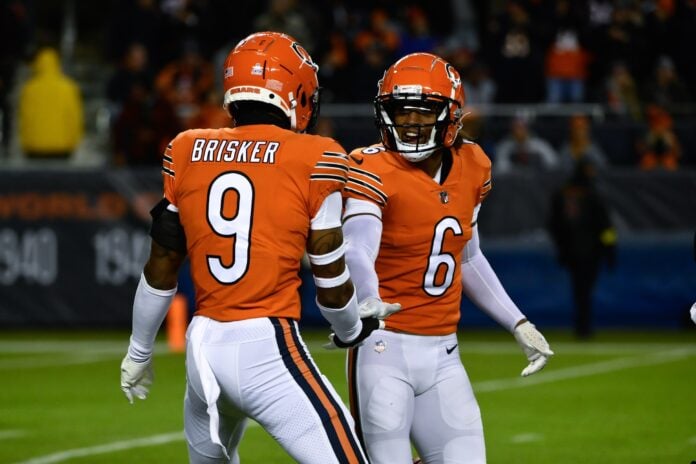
633, 56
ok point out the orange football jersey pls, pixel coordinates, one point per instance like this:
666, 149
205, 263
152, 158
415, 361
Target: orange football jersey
425, 228
246, 197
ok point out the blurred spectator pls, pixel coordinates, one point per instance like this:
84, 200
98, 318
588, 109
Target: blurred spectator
474, 129
325, 127
380, 33
133, 70
659, 148
135, 21
367, 71
522, 150
14, 39
186, 82
683, 52
417, 36
600, 12
284, 16
183, 25
580, 146
566, 59
466, 31
211, 114
661, 27
624, 40
582, 232
50, 110
622, 93
666, 89
143, 129
333, 70
479, 88
516, 55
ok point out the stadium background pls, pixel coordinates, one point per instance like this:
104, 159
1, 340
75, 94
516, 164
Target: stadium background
74, 231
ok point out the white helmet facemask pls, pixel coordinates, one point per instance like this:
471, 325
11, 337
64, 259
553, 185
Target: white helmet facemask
420, 140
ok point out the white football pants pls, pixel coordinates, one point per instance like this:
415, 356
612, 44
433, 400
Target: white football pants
406, 387
261, 369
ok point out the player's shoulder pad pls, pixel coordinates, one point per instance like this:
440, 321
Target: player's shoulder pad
322, 145
360, 154
184, 139
473, 152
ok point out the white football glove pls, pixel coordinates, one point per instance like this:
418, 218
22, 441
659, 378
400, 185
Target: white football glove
136, 378
374, 307
535, 347
693, 313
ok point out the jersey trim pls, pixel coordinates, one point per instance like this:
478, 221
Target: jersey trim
382, 197
327, 177
375, 177
485, 189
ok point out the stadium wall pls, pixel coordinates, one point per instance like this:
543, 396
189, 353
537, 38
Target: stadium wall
73, 243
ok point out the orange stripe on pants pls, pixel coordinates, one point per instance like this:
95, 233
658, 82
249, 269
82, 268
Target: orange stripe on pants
340, 431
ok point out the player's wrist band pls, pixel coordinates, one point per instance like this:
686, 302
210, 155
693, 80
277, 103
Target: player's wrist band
330, 282
328, 258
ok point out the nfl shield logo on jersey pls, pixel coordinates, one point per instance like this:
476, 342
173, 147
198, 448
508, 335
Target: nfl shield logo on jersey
380, 346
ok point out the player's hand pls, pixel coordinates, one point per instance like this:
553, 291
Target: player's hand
693, 313
374, 307
535, 347
136, 378
369, 325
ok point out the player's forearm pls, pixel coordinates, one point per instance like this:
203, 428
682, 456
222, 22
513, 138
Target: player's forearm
482, 286
150, 307
362, 272
363, 234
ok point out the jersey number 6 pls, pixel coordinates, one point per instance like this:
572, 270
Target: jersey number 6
437, 258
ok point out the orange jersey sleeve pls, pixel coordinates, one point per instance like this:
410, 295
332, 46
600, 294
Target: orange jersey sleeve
425, 226
246, 197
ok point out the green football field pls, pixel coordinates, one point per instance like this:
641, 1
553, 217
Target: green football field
620, 398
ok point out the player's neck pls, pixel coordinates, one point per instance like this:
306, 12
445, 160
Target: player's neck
431, 164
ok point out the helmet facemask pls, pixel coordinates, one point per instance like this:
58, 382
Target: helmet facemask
415, 141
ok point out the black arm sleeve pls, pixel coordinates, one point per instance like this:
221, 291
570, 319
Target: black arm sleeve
166, 229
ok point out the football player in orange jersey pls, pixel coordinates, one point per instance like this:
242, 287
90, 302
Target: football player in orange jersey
244, 203
411, 205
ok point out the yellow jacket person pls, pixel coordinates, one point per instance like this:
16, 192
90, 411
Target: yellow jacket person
50, 110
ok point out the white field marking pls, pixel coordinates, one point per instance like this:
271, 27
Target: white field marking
53, 361
69, 346
153, 440
512, 348
493, 347
486, 386
526, 438
585, 370
61, 456
7, 434
63, 354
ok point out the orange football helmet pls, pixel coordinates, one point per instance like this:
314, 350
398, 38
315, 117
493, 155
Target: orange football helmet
424, 82
273, 68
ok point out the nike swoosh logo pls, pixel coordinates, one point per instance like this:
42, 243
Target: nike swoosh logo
450, 350
358, 161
